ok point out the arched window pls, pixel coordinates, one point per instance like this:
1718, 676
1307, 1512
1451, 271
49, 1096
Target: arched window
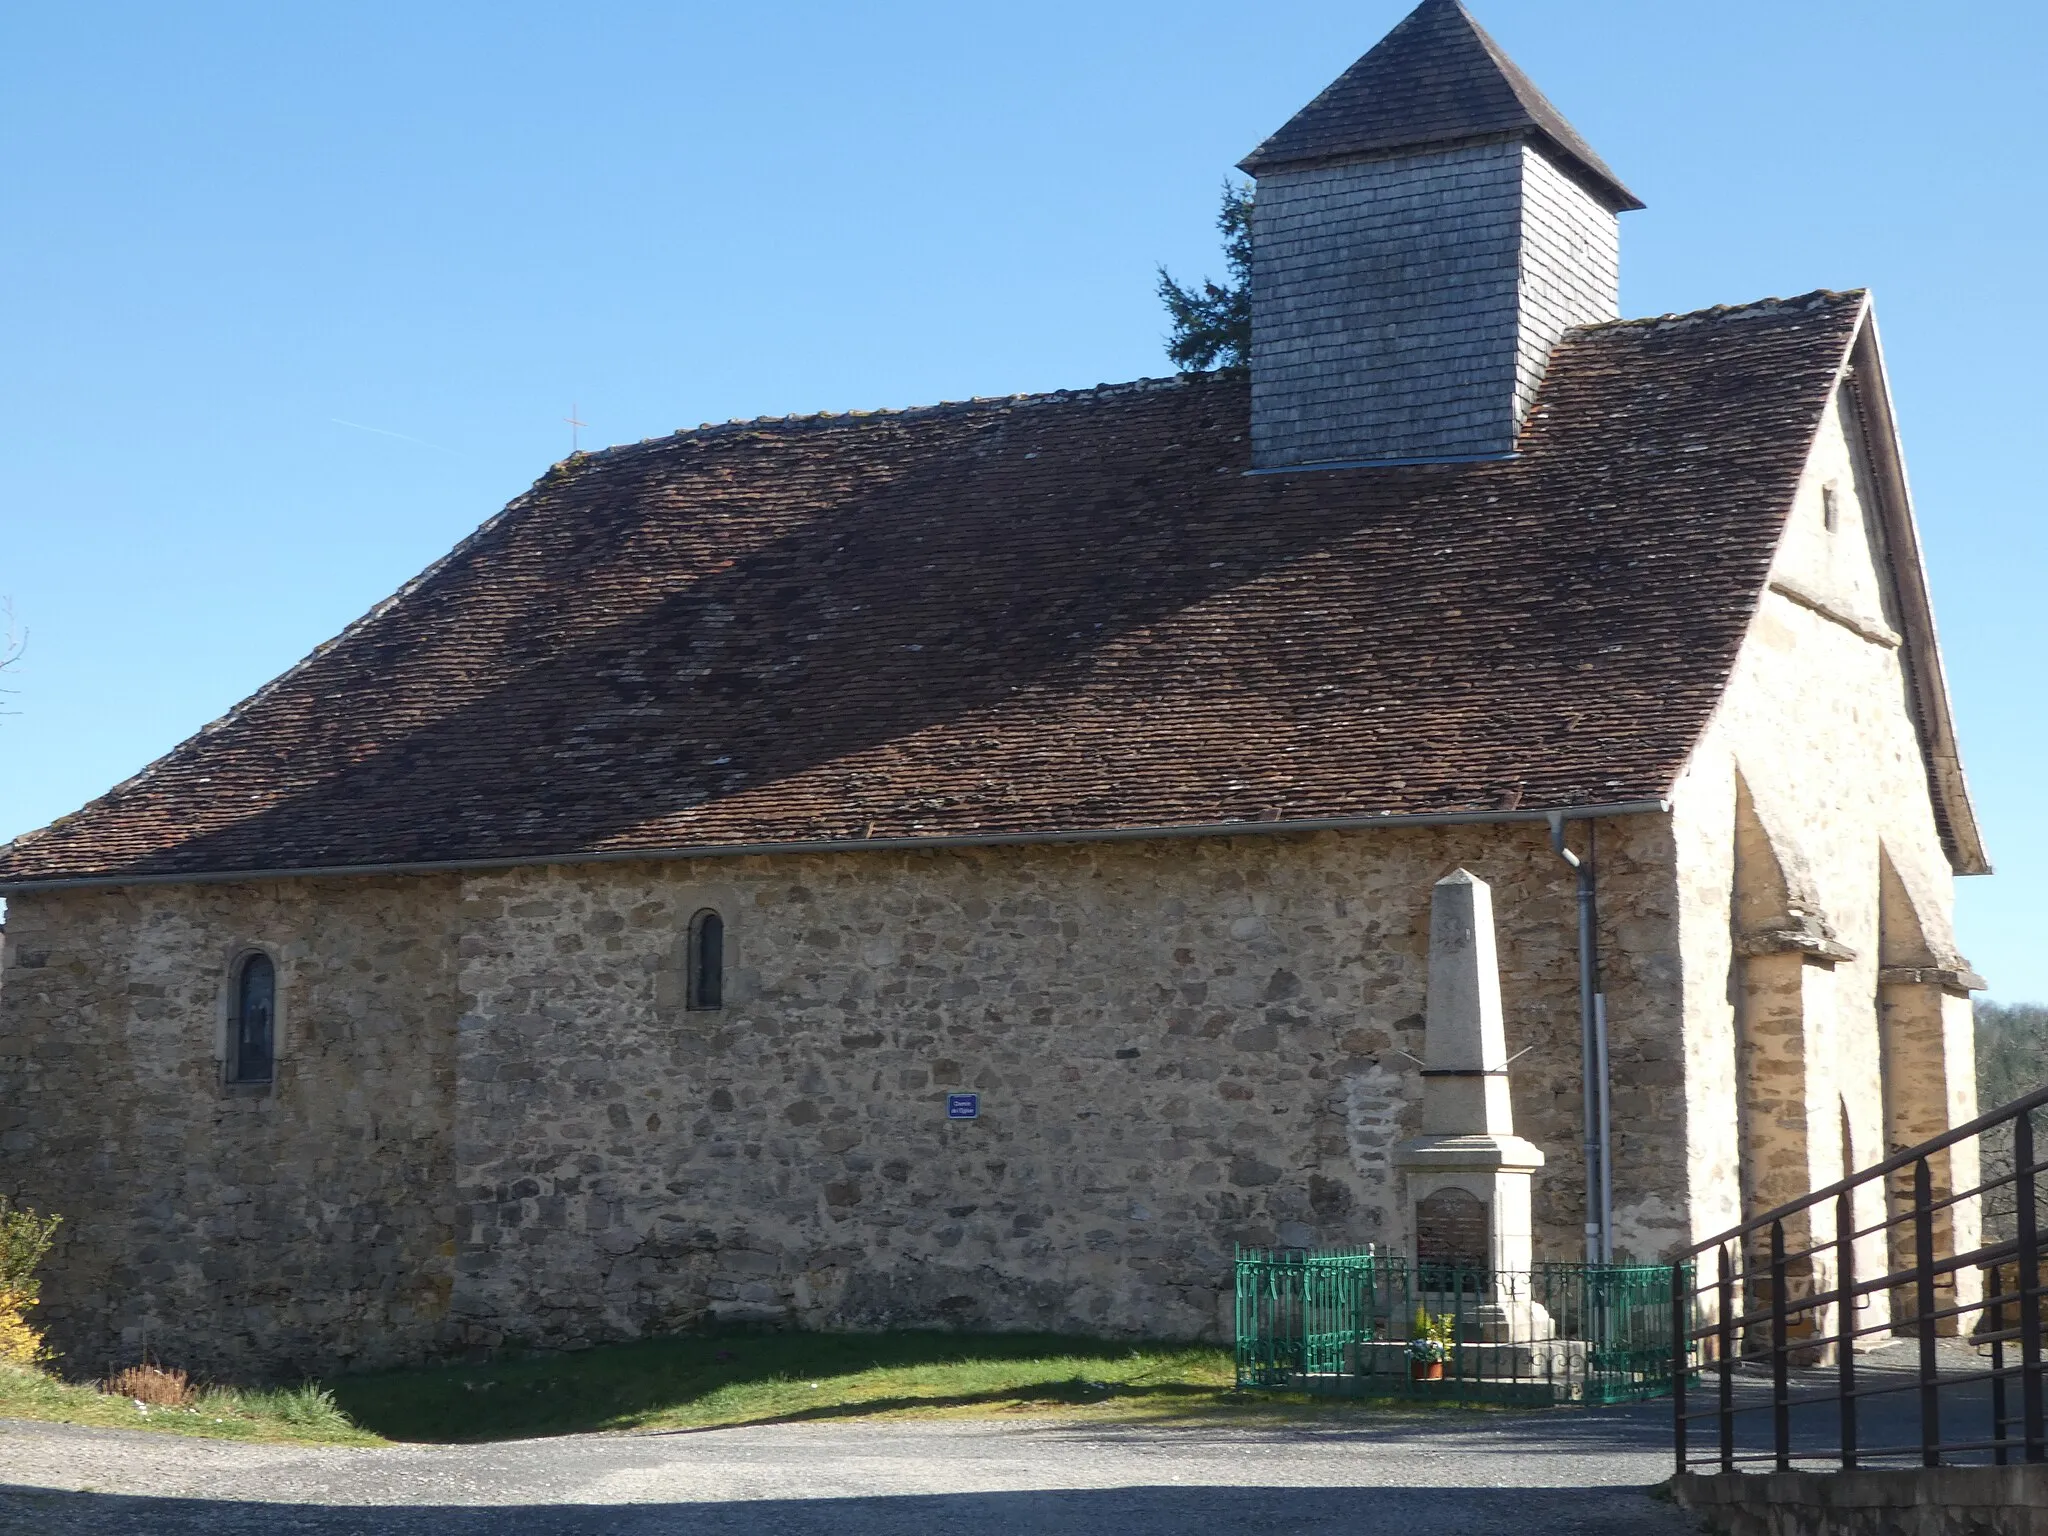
252, 1028
707, 960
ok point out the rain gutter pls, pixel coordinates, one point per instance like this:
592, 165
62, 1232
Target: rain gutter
1554, 818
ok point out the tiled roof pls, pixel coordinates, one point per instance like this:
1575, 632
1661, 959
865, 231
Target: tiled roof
1058, 613
1437, 78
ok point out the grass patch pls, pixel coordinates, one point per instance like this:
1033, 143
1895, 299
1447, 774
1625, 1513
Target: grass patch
704, 1381
709, 1381
304, 1414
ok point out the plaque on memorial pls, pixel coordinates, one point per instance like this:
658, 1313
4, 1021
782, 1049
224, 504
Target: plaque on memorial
1451, 1231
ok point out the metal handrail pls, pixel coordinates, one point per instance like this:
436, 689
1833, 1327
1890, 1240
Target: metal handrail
1890, 1165
1753, 1262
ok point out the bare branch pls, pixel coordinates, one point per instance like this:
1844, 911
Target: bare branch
13, 643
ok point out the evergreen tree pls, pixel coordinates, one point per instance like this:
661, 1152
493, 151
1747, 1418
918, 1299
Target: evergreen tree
1212, 322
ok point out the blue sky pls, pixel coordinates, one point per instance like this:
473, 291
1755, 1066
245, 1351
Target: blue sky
299, 294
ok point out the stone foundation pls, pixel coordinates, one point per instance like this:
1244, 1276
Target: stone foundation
1935, 1501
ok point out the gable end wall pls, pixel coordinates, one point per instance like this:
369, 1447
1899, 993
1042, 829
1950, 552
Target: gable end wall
1820, 723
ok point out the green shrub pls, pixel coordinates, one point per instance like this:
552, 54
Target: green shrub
306, 1406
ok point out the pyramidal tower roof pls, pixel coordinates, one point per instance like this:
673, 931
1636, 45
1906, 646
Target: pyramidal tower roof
1437, 78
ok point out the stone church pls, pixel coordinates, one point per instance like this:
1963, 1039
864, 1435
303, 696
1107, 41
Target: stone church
972, 865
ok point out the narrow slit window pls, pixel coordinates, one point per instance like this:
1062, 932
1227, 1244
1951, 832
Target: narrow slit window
1830, 507
253, 1046
707, 961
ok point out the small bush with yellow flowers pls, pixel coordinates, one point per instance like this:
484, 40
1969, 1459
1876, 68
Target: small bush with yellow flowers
24, 1238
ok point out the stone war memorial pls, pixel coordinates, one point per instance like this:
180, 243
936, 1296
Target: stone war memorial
1468, 1173
976, 865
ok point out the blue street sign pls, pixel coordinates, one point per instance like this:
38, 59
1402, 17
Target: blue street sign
963, 1106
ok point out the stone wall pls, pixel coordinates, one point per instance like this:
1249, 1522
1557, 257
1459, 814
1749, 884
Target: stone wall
1405, 306
217, 1228
1180, 1045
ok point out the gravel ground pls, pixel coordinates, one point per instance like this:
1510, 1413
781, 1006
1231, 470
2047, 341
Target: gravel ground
1560, 1474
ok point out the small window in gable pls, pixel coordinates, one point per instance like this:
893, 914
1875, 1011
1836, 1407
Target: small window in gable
1830, 507
252, 1030
707, 960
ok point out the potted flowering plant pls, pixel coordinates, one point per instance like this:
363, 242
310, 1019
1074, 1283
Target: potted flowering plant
1429, 1344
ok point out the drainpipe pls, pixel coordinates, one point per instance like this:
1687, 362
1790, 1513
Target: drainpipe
1592, 1053
1606, 1079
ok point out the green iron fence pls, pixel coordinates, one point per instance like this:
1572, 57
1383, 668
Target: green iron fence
1340, 1321
1299, 1313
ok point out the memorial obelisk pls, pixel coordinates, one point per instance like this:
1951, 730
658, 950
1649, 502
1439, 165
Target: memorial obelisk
1468, 1173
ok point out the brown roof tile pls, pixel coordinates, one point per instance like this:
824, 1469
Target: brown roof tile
1060, 613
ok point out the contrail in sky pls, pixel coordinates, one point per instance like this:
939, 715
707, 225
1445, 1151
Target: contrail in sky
381, 432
